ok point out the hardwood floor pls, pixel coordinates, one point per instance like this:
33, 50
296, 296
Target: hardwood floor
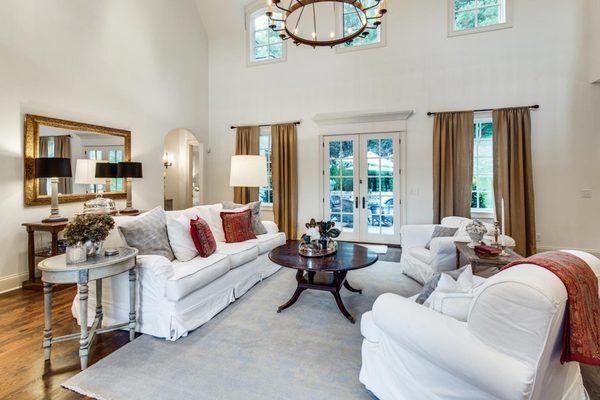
23, 372
25, 375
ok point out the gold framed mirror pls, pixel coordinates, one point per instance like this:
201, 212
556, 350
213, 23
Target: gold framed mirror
51, 137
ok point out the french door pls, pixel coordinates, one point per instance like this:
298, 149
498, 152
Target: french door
361, 186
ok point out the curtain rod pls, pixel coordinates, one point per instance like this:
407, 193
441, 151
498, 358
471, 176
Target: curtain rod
535, 107
263, 125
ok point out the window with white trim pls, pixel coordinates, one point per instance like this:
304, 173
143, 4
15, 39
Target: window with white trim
482, 189
468, 16
351, 22
265, 193
265, 45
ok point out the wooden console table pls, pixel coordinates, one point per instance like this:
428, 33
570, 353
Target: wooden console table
33, 283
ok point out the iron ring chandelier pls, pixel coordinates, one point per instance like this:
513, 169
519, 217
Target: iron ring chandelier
298, 8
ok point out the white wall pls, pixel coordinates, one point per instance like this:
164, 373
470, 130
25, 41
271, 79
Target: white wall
138, 64
541, 60
594, 40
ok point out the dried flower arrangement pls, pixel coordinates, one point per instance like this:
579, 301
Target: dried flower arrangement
88, 227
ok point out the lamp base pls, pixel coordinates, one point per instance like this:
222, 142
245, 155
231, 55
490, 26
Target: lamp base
128, 210
54, 218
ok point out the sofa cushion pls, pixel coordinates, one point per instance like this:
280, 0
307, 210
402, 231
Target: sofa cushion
421, 254
148, 233
191, 275
239, 253
237, 226
441, 231
268, 241
178, 227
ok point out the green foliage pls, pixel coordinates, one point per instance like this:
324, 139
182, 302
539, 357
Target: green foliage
92, 227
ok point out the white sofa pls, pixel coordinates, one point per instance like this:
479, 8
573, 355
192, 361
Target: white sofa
421, 263
509, 348
175, 297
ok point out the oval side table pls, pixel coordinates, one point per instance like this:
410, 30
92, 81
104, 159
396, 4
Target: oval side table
55, 270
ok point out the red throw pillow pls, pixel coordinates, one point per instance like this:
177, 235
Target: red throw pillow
202, 236
237, 226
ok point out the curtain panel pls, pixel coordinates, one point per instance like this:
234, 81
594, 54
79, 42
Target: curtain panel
513, 176
247, 143
452, 164
284, 165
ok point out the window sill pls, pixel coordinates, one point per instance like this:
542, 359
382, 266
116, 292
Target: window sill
266, 207
452, 32
483, 214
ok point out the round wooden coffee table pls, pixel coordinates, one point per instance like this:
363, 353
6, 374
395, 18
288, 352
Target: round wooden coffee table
323, 273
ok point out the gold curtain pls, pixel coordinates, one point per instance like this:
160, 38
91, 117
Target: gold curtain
284, 165
43, 152
452, 164
62, 148
247, 142
513, 177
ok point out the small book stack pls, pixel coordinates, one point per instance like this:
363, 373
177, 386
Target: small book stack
484, 251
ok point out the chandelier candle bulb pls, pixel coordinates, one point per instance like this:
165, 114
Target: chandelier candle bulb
313, 37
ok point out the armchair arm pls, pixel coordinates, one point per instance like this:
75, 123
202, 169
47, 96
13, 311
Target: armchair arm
443, 252
159, 266
415, 235
450, 348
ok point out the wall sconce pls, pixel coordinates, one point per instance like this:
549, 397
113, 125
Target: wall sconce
167, 160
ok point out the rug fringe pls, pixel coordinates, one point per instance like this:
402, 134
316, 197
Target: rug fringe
83, 392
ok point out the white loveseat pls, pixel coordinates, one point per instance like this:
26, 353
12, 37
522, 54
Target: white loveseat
421, 263
175, 297
508, 349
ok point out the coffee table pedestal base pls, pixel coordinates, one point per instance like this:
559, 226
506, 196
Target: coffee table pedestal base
330, 282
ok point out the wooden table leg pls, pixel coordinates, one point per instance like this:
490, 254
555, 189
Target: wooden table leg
339, 279
54, 243
297, 293
31, 254
84, 344
47, 344
132, 279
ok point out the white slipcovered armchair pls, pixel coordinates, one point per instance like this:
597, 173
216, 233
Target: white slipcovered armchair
508, 349
421, 263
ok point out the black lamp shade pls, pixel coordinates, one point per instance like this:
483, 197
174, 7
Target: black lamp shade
106, 170
129, 170
53, 167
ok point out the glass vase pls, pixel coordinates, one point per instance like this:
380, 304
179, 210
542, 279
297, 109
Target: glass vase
94, 249
76, 254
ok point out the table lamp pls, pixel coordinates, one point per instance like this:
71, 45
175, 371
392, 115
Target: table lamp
53, 168
129, 170
85, 172
107, 171
248, 171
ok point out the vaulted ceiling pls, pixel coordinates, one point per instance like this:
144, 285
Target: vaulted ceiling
220, 17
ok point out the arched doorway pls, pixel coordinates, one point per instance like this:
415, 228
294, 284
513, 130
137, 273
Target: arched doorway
183, 162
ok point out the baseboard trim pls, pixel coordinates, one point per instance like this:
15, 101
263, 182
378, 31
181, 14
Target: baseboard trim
540, 249
12, 282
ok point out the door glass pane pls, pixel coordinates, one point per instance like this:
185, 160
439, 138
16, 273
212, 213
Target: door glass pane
341, 184
380, 185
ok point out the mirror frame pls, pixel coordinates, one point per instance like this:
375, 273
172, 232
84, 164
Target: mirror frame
32, 124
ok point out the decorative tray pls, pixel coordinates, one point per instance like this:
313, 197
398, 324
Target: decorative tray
312, 252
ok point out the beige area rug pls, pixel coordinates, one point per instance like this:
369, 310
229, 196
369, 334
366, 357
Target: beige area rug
250, 352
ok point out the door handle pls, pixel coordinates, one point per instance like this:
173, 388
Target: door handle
356, 202
363, 202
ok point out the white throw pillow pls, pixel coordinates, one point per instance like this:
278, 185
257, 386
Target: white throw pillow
178, 228
464, 282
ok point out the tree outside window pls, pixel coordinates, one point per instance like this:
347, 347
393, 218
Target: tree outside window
482, 198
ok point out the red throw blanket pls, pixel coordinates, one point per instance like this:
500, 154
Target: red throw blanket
581, 333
